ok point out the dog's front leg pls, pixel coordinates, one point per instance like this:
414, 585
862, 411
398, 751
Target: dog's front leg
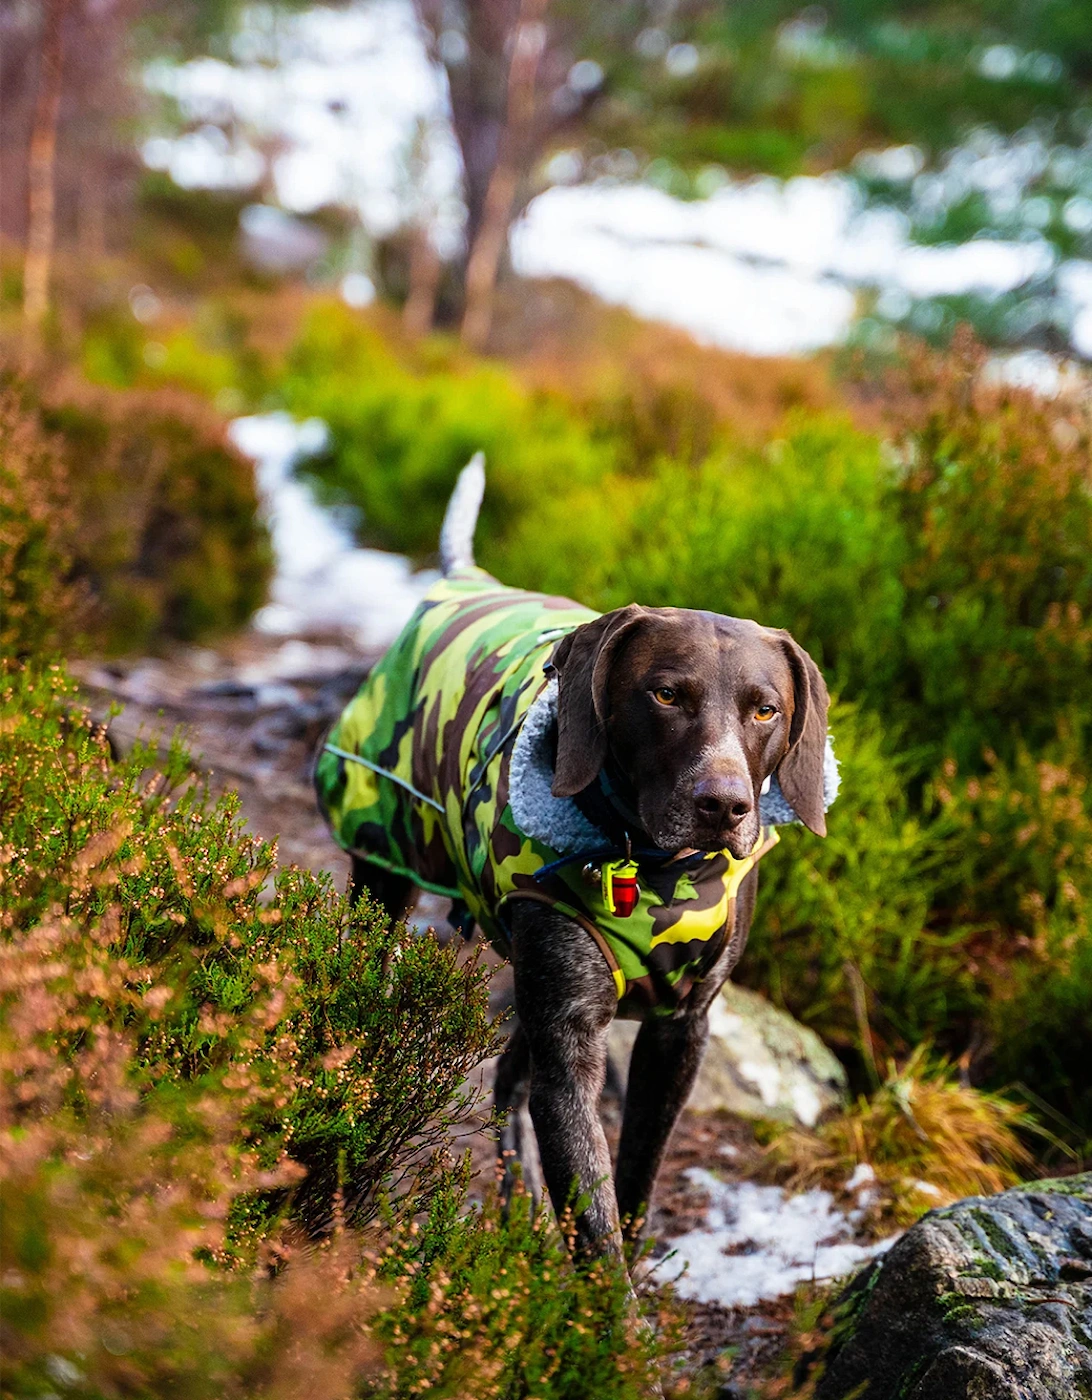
666, 1057
565, 999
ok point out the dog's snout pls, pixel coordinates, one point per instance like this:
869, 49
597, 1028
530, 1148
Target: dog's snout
723, 802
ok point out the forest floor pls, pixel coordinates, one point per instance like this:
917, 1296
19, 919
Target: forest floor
252, 713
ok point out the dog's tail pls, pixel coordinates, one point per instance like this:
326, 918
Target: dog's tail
461, 516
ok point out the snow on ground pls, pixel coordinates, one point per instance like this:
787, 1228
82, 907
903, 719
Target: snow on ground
323, 582
759, 1243
739, 270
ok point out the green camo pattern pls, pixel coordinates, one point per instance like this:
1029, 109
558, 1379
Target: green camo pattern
440, 713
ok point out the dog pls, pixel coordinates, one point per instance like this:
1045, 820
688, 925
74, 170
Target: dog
595, 792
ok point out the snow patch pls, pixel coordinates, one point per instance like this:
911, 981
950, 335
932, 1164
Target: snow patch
759, 1243
323, 582
734, 270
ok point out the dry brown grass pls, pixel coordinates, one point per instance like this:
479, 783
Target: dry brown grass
561, 339
929, 1139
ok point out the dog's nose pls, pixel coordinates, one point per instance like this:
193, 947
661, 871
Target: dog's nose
723, 802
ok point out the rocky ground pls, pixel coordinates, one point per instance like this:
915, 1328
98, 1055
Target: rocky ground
252, 713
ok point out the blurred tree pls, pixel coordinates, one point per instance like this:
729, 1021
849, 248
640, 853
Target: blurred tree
520, 77
691, 91
41, 166
67, 74
65, 156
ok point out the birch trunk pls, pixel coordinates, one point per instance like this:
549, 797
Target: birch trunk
42, 162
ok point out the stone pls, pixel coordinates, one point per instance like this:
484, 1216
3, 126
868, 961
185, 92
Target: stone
760, 1062
988, 1299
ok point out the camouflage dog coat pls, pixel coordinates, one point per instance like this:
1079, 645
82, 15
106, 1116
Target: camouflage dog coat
439, 770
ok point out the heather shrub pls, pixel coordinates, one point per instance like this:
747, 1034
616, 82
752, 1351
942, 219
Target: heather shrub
40, 605
994, 494
494, 1306
163, 529
361, 1033
1020, 880
117, 1202
194, 1066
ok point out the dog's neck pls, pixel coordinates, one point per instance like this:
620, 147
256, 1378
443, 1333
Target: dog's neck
608, 803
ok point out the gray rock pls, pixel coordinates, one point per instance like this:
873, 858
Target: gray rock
989, 1299
760, 1062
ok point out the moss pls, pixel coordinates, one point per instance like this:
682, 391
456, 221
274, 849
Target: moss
1079, 1186
911, 1376
852, 1304
985, 1268
957, 1311
998, 1237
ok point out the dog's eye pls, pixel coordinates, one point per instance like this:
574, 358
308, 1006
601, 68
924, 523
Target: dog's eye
765, 713
664, 695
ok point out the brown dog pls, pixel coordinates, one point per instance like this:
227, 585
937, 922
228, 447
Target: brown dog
670, 744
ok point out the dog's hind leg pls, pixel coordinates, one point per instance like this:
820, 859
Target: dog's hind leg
516, 1138
395, 893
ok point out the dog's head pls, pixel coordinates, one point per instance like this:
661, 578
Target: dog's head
696, 711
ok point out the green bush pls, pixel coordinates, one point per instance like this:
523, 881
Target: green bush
400, 438
796, 535
856, 910
162, 526
941, 580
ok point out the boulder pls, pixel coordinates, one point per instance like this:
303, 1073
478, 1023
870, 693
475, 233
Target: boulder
989, 1299
760, 1062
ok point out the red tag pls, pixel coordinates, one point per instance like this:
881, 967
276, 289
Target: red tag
627, 895
621, 892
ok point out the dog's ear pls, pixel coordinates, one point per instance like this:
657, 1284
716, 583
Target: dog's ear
583, 661
800, 772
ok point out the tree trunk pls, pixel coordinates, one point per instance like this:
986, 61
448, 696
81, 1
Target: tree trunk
528, 42
424, 281
92, 210
42, 169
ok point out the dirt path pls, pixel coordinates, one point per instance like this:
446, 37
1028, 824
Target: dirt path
252, 713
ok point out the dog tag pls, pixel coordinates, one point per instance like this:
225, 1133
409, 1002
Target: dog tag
621, 892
